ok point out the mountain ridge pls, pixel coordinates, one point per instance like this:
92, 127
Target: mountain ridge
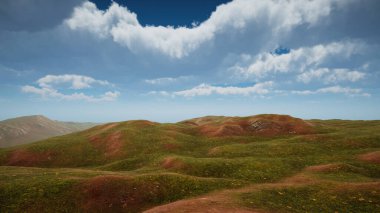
28, 129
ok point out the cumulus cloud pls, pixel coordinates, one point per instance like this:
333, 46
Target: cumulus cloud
335, 90
297, 60
76, 81
46, 88
122, 25
206, 90
330, 75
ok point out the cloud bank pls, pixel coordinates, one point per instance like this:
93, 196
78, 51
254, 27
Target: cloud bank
297, 60
207, 90
331, 75
46, 88
335, 90
122, 25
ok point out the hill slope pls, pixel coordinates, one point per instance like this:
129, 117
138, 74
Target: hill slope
271, 163
28, 129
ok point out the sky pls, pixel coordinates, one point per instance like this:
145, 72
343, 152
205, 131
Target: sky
167, 60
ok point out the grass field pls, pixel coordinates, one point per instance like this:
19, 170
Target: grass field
137, 165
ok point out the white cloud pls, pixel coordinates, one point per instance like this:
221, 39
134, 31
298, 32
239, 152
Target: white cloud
163, 93
120, 24
166, 80
76, 81
297, 60
335, 90
206, 90
330, 75
46, 88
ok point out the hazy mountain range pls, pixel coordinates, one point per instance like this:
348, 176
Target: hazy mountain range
27, 129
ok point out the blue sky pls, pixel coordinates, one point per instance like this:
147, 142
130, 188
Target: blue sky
168, 60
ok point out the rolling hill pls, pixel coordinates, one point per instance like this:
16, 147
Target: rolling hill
263, 163
27, 129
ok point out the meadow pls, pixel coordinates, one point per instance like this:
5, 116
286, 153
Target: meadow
274, 165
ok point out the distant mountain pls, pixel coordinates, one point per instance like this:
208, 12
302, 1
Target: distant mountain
27, 129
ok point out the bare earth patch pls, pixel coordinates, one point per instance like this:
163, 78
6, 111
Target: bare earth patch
263, 125
227, 200
200, 205
27, 158
111, 145
325, 167
108, 126
372, 157
172, 163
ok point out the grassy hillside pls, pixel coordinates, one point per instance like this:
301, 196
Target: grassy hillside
267, 163
27, 129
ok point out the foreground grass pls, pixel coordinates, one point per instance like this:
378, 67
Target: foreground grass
317, 198
78, 190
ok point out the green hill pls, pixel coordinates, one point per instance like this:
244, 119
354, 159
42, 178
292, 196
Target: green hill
259, 163
27, 129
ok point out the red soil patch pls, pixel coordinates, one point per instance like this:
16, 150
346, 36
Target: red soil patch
199, 205
325, 167
298, 179
110, 194
108, 126
170, 146
27, 158
111, 145
372, 157
263, 125
142, 123
172, 163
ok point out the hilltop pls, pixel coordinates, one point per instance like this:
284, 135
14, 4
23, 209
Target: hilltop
262, 163
27, 129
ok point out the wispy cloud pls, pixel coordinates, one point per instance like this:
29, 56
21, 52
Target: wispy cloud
335, 90
330, 75
45, 88
206, 90
167, 80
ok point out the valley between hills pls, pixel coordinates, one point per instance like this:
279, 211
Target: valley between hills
263, 163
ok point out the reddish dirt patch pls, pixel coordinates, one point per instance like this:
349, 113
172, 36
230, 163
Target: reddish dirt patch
226, 130
270, 125
200, 205
170, 146
109, 194
108, 126
142, 123
28, 158
172, 163
372, 157
263, 125
298, 179
325, 167
111, 145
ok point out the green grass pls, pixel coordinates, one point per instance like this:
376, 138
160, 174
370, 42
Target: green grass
316, 198
70, 190
75, 174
